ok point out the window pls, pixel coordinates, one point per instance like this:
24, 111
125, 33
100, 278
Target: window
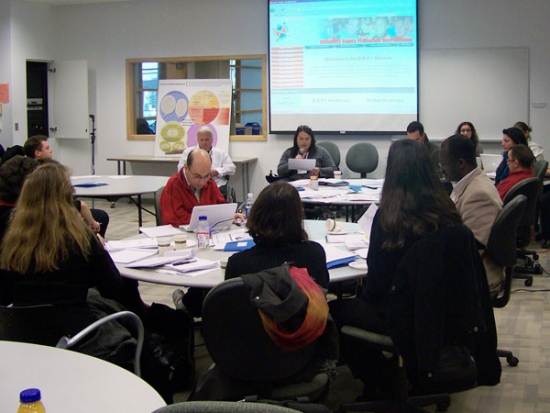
248, 73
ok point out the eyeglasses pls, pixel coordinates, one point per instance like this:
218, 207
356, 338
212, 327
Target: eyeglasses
510, 160
465, 130
199, 177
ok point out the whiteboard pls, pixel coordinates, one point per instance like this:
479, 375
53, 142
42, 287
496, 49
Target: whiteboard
488, 87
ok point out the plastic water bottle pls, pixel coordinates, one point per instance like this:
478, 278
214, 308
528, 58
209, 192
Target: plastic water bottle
203, 233
30, 402
249, 203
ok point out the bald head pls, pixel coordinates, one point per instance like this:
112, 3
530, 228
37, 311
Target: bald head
197, 168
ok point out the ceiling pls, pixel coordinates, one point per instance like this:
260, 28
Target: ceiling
68, 2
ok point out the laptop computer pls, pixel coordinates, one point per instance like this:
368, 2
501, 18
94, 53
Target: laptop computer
490, 162
220, 216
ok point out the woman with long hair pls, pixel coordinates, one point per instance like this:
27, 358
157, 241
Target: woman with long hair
468, 129
304, 147
413, 205
50, 256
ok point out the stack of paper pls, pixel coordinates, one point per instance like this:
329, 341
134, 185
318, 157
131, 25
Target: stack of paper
183, 256
337, 257
113, 246
196, 265
161, 231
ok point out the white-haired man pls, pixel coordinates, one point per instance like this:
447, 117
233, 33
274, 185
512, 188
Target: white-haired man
222, 165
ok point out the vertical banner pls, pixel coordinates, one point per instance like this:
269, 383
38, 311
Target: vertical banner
185, 106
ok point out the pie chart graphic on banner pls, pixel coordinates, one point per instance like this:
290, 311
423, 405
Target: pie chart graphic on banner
204, 107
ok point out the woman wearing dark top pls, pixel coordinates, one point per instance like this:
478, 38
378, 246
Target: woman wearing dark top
468, 129
275, 224
49, 256
304, 147
510, 136
413, 205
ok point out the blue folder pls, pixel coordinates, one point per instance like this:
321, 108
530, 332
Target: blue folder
340, 263
90, 184
239, 245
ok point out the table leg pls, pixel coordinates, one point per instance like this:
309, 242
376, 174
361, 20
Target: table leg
140, 219
118, 166
244, 173
124, 167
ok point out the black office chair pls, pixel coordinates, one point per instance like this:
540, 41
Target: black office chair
39, 325
223, 407
362, 158
242, 350
332, 150
501, 248
158, 213
540, 169
531, 188
440, 274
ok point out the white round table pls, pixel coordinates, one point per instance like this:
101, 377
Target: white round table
71, 382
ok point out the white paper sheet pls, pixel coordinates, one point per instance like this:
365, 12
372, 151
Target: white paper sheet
132, 254
366, 220
199, 264
161, 231
158, 261
113, 246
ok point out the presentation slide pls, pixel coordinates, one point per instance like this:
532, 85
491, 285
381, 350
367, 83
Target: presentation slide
343, 66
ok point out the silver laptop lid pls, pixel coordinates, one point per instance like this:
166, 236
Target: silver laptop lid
220, 216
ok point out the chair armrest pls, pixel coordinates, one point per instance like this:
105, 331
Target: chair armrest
65, 342
380, 340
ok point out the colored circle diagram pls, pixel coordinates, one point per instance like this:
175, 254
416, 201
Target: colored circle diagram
173, 106
204, 107
173, 138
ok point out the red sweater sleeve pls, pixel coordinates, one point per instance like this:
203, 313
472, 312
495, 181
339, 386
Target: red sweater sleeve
177, 199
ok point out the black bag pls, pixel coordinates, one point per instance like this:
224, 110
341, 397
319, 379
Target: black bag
457, 369
300, 404
172, 343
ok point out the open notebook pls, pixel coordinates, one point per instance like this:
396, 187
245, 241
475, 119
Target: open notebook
219, 216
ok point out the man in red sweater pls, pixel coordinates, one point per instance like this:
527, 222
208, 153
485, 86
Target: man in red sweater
188, 187
520, 162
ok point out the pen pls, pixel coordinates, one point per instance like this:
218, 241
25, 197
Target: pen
184, 262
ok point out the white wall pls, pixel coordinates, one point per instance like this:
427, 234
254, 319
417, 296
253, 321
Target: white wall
107, 34
5, 71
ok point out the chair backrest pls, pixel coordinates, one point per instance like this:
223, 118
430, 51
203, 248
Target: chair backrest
540, 169
333, 150
237, 341
502, 239
363, 158
31, 324
223, 407
531, 188
158, 214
